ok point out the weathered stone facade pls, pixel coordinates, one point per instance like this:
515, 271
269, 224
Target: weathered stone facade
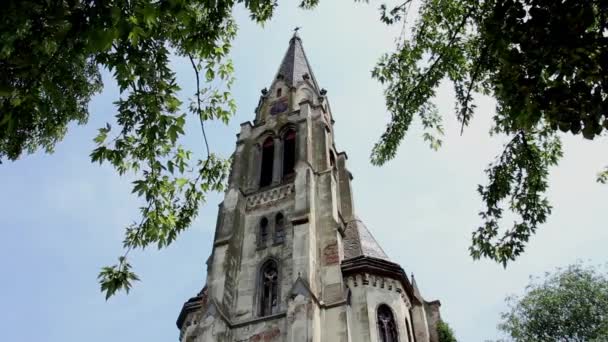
291, 261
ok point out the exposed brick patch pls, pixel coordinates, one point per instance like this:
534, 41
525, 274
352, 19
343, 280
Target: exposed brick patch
204, 294
330, 254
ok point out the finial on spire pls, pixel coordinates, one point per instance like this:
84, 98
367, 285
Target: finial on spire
415, 286
295, 31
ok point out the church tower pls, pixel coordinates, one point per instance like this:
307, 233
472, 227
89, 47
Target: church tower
291, 261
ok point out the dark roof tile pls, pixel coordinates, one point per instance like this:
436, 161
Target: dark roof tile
359, 241
295, 66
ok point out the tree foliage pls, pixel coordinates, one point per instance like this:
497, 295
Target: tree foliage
545, 64
570, 304
50, 60
445, 333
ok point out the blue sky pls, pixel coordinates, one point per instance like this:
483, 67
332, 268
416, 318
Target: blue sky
63, 217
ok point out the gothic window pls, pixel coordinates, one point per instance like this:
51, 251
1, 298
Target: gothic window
263, 233
269, 287
267, 162
279, 91
289, 152
386, 324
279, 229
332, 159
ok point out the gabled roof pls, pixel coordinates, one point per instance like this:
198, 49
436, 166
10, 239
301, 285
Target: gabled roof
358, 241
301, 287
295, 66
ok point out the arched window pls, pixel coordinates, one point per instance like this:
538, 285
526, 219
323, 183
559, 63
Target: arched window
267, 162
279, 91
263, 233
386, 324
289, 152
279, 229
269, 287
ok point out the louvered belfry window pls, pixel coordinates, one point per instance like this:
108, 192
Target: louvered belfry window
279, 228
263, 233
289, 152
267, 162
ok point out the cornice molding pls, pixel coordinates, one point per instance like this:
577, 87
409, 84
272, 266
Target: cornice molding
364, 264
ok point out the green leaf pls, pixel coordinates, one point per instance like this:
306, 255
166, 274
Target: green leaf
149, 14
117, 277
181, 182
210, 74
170, 166
602, 177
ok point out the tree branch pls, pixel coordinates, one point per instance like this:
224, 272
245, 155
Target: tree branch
198, 103
441, 55
470, 89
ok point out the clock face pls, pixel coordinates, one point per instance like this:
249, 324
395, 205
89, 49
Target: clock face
279, 106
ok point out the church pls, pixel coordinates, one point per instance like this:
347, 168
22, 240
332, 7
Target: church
291, 260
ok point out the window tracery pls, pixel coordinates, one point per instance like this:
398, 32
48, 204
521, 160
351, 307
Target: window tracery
386, 324
269, 299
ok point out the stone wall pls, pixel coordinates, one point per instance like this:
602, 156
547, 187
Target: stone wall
368, 292
433, 317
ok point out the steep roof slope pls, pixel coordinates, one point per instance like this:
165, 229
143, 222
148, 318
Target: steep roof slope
358, 241
295, 66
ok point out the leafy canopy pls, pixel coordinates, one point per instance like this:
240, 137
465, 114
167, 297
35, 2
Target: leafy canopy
445, 333
542, 60
545, 64
51, 54
570, 304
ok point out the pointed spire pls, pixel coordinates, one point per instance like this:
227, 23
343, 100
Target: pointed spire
415, 287
295, 67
